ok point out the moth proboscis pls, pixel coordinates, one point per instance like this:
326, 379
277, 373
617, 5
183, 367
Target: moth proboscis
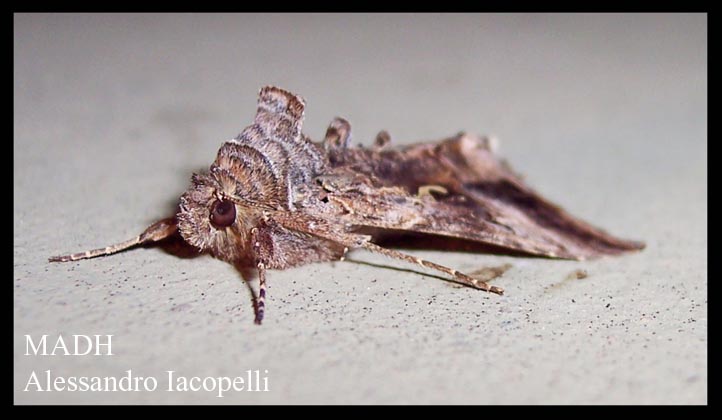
274, 199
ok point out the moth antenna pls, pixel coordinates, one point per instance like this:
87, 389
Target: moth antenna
155, 232
458, 277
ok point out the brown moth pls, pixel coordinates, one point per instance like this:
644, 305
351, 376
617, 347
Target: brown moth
274, 199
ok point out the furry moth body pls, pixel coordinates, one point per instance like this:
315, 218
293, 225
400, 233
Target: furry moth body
273, 199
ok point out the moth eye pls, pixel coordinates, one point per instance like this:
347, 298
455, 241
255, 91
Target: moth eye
223, 213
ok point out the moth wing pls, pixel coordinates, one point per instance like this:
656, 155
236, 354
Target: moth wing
482, 200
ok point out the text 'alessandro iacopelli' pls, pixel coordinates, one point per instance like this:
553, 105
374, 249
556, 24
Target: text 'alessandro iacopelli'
253, 380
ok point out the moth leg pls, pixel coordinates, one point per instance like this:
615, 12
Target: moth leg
261, 302
322, 230
458, 277
260, 245
155, 232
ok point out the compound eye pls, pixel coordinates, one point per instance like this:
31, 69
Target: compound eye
223, 213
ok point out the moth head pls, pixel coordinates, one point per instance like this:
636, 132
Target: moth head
208, 219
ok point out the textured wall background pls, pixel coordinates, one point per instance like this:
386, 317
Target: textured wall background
605, 115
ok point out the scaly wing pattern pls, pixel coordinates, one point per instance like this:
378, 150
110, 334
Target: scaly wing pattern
481, 199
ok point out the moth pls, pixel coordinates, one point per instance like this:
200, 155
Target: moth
274, 199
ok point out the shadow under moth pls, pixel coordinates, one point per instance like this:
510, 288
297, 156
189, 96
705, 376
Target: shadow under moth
274, 199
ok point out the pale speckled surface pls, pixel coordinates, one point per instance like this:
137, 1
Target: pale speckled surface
605, 115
